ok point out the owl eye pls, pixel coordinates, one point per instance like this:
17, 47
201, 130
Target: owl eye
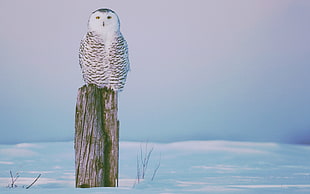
109, 17
97, 17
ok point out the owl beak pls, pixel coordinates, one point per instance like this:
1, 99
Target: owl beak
102, 23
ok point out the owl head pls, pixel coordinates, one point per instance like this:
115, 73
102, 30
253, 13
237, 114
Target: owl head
103, 21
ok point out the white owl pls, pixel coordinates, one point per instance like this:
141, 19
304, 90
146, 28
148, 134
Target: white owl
103, 52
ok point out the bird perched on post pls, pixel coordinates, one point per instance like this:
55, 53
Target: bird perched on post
103, 52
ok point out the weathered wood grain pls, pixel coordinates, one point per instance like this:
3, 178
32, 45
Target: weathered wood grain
96, 137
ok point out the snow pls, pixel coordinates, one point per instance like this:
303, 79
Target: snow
185, 167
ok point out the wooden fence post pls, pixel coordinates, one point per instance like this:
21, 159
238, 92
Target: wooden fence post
96, 137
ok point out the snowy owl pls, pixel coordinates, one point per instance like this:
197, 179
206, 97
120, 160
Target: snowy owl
103, 52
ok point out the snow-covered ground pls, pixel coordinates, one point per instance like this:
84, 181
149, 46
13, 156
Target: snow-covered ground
185, 167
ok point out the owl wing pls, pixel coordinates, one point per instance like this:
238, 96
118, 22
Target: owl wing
82, 58
82, 53
92, 61
119, 60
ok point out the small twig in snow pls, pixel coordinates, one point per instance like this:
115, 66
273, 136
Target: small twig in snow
143, 160
156, 169
13, 180
33, 182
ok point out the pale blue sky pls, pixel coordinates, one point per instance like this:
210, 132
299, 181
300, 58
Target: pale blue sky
218, 69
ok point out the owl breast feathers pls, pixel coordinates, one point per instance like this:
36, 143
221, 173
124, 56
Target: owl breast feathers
103, 52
